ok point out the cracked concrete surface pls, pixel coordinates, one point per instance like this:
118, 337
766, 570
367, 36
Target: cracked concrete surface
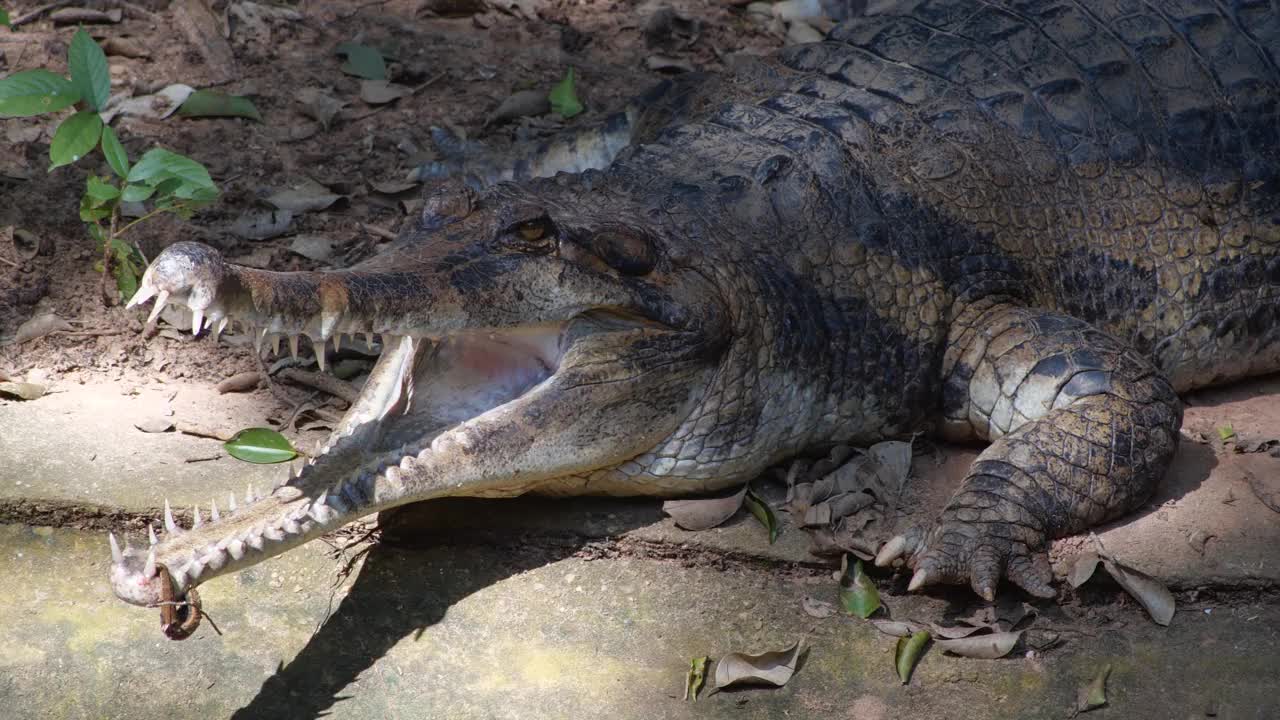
587, 608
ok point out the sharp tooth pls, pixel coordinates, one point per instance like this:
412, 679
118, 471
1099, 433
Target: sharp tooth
194, 568
162, 299
117, 556
260, 335
254, 540
149, 568
368, 340
336, 501
319, 355
197, 320
169, 525
328, 321
196, 512
275, 344
215, 560
290, 526
293, 346
337, 342
231, 502
214, 515
249, 494
143, 294
151, 535
272, 533
235, 549
218, 327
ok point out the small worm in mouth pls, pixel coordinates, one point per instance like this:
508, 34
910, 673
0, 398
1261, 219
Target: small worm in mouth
179, 618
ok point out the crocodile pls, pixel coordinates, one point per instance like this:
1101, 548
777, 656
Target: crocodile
1030, 224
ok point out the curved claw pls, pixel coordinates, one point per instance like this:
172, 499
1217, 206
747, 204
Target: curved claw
918, 580
892, 550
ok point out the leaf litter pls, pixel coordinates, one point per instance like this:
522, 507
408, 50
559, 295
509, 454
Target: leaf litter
773, 668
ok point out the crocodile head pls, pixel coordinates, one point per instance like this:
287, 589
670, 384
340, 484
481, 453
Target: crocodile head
534, 337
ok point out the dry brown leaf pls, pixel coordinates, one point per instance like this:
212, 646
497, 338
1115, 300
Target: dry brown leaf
704, 513
520, 104
262, 224
306, 195
240, 382
768, 668
985, 647
816, 608
381, 92
1083, 569
154, 425
38, 327
897, 628
1149, 592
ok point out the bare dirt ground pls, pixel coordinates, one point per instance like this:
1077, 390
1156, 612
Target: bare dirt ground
66, 459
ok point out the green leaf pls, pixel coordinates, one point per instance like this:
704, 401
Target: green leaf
126, 279
76, 136
159, 165
563, 98
101, 191
89, 73
91, 211
260, 445
136, 193
4, 18
207, 103
696, 677
117, 158
762, 512
1094, 694
363, 61
908, 653
33, 92
99, 239
858, 594
1226, 432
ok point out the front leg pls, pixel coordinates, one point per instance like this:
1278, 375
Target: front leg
1082, 428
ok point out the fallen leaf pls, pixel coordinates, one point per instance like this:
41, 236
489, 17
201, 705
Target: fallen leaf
381, 92
816, 608
769, 668
157, 106
954, 632
1226, 432
564, 97
22, 390
260, 445
210, 103
520, 104
316, 247
858, 594
240, 382
762, 512
38, 327
985, 647
696, 677
77, 15
261, 224
124, 47
304, 196
897, 628
908, 653
704, 513
319, 105
1149, 592
1266, 489
362, 61
154, 425
1083, 569
1094, 694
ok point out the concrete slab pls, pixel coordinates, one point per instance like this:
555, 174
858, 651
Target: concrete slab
529, 631
78, 446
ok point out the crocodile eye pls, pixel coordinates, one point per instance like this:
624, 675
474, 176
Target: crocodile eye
536, 236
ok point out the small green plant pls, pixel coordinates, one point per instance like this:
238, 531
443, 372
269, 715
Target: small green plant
171, 182
563, 97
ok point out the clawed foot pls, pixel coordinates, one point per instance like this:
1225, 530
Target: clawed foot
956, 552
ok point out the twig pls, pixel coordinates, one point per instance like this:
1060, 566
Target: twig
320, 381
380, 232
35, 14
7, 261
87, 333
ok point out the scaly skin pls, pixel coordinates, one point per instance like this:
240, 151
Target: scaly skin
1027, 223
